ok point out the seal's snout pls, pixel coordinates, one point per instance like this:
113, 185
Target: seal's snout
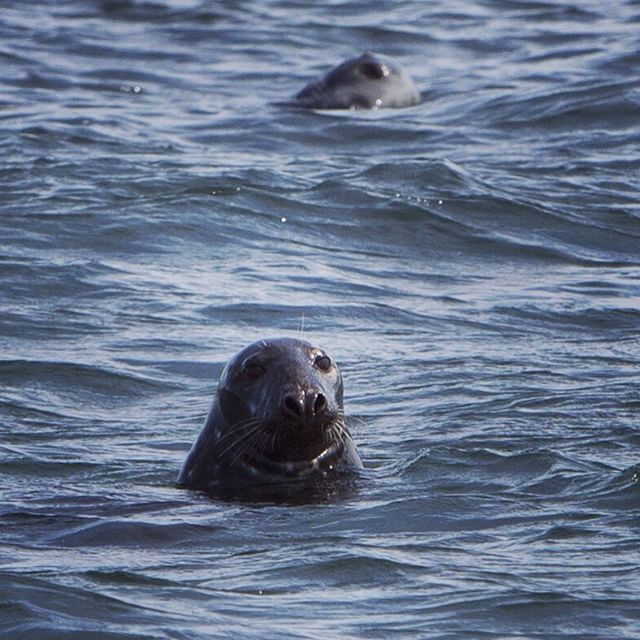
304, 405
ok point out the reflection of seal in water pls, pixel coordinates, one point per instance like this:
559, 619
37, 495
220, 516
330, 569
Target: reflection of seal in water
277, 417
370, 81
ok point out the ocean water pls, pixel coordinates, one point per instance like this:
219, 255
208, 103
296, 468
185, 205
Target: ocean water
473, 264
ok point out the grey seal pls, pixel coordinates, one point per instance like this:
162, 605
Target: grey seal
277, 417
370, 81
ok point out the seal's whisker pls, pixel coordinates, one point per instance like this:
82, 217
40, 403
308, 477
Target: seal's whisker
247, 444
240, 426
342, 432
359, 422
265, 441
243, 437
272, 440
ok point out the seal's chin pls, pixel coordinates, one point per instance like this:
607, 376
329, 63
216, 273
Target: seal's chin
262, 466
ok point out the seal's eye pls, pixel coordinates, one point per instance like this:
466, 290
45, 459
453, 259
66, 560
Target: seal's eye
323, 362
252, 369
374, 70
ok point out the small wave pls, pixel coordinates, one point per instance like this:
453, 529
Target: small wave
123, 533
70, 382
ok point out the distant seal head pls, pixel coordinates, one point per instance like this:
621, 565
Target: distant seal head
370, 81
277, 417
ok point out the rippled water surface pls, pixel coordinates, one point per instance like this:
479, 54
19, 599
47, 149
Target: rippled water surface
473, 263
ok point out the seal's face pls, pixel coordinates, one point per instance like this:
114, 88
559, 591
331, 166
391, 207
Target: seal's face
282, 404
276, 421
370, 81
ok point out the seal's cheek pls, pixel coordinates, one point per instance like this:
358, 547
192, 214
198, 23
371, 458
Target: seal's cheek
233, 408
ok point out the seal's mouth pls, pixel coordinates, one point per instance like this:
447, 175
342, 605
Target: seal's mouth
260, 464
293, 440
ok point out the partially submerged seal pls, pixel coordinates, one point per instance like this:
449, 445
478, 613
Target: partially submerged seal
277, 417
370, 81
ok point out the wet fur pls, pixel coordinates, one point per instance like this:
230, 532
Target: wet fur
248, 441
370, 81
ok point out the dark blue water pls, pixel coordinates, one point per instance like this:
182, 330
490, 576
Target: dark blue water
473, 263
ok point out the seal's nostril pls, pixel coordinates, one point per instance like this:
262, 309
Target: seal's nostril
308, 404
320, 404
292, 405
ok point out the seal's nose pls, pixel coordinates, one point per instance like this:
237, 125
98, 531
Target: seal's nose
304, 405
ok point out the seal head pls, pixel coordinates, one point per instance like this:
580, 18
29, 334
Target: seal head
370, 81
277, 417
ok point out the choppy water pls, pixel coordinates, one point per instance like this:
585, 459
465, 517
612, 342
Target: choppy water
473, 263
